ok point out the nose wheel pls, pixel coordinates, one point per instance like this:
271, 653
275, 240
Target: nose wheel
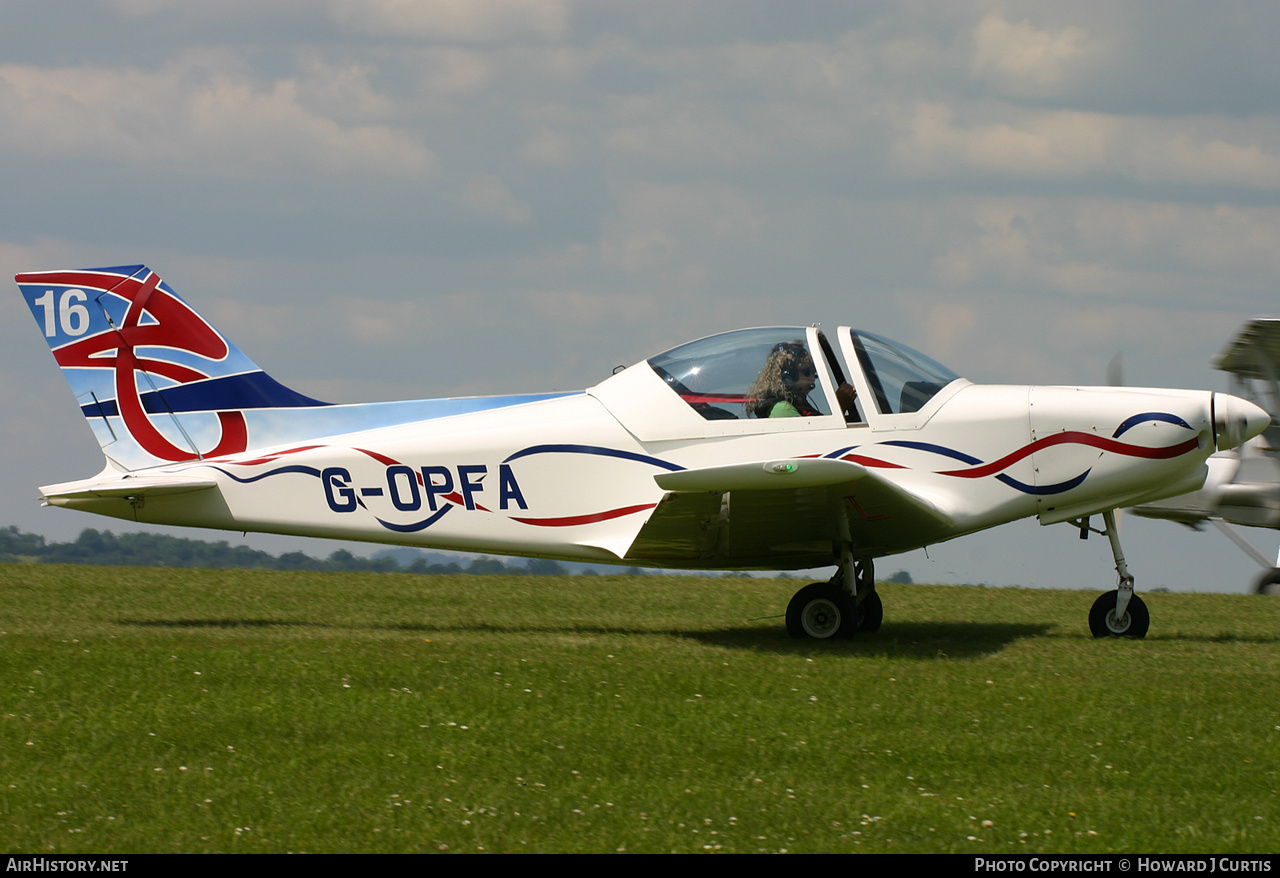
1119, 613
1105, 622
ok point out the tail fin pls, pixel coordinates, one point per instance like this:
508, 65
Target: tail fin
157, 382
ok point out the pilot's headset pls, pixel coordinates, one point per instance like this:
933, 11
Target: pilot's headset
790, 355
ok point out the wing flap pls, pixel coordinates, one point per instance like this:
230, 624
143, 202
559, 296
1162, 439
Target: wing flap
768, 475
768, 516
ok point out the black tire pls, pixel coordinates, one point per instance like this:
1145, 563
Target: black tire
1268, 583
821, 611
1103, 622
871, 612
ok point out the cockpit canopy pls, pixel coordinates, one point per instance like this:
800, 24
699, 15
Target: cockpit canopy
744, 374
901, 379
774, 372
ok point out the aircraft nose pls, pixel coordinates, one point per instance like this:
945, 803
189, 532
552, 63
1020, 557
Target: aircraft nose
1236, 420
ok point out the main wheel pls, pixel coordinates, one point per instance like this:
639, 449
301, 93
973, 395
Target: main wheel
1269, 582
871, 612
1103, 621
821, 611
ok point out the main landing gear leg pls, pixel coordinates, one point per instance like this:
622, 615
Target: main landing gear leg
1119, 613
841, 606
870, 609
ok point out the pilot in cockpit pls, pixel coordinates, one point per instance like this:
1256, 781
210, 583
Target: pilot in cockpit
782, 389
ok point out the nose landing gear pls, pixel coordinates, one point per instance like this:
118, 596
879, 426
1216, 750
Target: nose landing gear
1119, 613
1105, 622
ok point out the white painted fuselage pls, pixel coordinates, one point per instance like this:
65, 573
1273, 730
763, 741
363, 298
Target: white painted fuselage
569, 478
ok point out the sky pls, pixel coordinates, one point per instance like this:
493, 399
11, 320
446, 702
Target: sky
386, 199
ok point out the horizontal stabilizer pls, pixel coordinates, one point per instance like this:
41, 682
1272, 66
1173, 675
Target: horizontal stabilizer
126, 487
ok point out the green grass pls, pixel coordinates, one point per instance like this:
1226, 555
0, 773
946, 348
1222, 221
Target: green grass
146, 710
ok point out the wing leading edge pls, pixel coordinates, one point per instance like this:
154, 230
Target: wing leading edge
782, 512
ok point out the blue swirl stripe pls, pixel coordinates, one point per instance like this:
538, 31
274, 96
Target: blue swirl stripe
296, 468
415, 526
1134, 421
594, 449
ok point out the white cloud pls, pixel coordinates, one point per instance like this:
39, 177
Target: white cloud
593, 308
376, 322
736, 106
1053, 144
44, 254
471, 21
1174, 156
1021, 59
656, 224
671, 129
342, 91
1162, 255
488, 196
449, 73
549, 147
1019, 339
200, 113
1057, 144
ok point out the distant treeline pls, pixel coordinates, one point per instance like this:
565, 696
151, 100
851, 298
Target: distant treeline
157, 550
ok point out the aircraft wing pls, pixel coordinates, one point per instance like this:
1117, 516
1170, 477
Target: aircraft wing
763, 513
1254, 352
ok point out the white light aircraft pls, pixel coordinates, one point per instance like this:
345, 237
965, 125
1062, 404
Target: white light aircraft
774, 448
1243, 485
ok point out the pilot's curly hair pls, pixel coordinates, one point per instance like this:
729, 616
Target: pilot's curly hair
776, 380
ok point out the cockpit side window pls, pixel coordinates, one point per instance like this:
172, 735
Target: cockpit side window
749, 374
901, 379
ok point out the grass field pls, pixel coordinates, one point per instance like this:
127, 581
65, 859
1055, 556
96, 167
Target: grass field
147, 710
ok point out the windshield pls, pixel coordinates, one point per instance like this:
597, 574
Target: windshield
751, 373
902, 380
